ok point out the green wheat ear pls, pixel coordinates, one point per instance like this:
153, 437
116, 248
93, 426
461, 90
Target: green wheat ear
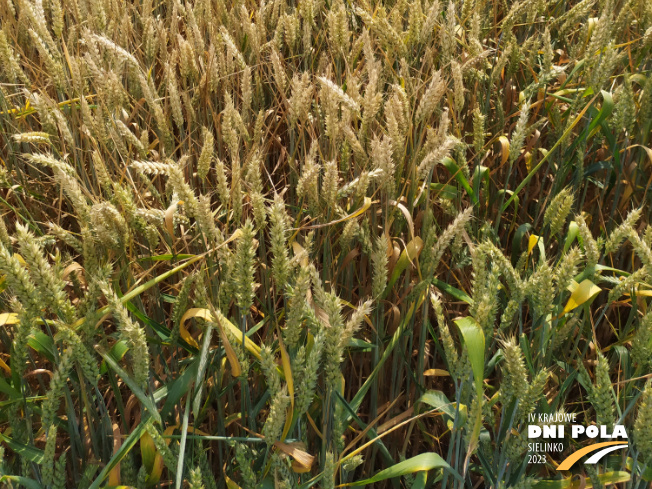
278, 238
558, 211
59, 480
244, 269
643, 425
273, 427
642, 342
196, 479
601, 397
47, 471
245, 460
206, 155
380, 260
133, 334
328, 480
514, 372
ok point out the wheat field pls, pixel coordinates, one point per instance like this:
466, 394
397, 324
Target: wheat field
323, 243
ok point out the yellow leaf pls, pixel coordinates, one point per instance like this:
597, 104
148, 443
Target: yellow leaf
236, 370
289, 414
645, 148
236, 235
152, 460
197, 312
436, 372
532, 242
114, 475
195, 431
463, 414
593, 21
223, 322
8, 318
626, 197
5, 367
230, 484
251, 347
504, 149
528, 161
192, 313
646, 293
360, 211
580, 293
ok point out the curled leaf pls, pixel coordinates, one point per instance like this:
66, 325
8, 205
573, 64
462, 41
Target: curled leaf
169, 217
580, 293
301, 460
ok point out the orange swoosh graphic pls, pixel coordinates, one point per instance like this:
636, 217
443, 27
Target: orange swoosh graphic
571, 459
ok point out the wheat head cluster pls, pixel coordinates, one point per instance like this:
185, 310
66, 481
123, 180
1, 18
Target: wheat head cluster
322, 243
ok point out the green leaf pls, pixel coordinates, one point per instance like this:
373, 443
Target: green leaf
131, 383
452, 167
6, 389
474, 340
30, 453
151, 283
458, 294
438, 400
647, 473
162, 331
423, 462
444, 191
604, 112
420, 480
124, 449
179, 386
516, 202
118, 351
481, 176
182, 444
538, 166
201, 370
167, 257
359, 344
23, 481
573, 231
359, 396
457, 414
517, 241
372, 434
43, 344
